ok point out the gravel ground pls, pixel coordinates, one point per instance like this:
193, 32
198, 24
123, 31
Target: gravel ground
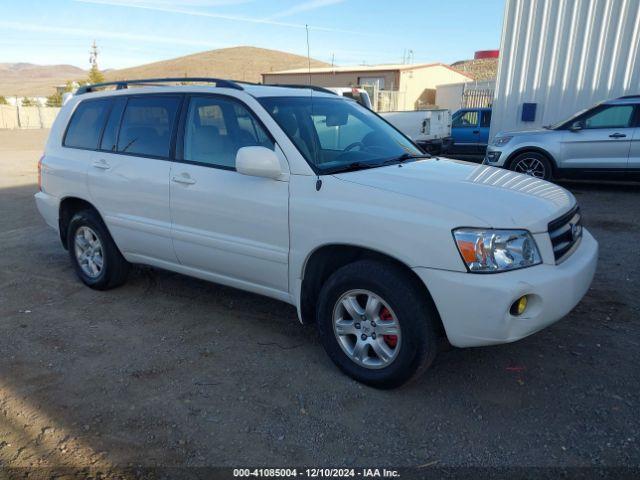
173, 371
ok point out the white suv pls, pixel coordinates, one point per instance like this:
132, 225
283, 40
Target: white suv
309, 198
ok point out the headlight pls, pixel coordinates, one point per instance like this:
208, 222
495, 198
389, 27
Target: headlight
487, 250
500, 141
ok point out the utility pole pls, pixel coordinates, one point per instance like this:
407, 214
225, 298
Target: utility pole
93, 55
95, 75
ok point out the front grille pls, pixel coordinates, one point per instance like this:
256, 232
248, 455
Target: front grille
565, 233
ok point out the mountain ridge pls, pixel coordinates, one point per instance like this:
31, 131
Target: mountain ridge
243, 63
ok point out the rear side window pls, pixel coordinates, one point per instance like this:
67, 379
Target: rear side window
147, 125
86, 124
110, 135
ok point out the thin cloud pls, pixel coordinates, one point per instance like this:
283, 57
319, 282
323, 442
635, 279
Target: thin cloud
221, 16
29, 27
189, 3
304, 7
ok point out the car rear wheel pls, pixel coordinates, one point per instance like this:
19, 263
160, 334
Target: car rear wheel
94, 255
376, 325
534, 164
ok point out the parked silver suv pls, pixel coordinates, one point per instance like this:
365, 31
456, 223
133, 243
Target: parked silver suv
602, 140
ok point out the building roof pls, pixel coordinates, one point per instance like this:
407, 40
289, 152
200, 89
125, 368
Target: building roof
363, 68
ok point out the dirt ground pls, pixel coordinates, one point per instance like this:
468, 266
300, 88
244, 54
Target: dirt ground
173, 371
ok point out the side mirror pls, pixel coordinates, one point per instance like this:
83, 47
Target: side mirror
576, 126
258, 162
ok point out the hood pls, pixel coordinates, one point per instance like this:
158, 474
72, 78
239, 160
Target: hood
538, 131
500, 198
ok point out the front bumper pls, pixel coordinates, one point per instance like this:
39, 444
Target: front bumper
492, 157
498, 156
475, 307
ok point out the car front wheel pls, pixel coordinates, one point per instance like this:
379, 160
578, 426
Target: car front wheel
533, 164
376, 324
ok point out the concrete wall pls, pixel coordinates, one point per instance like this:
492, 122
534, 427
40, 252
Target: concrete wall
26, 117
564, 55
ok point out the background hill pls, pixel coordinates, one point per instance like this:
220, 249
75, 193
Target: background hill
32, 80
237, 63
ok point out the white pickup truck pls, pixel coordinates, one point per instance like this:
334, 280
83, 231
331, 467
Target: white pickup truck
430, 129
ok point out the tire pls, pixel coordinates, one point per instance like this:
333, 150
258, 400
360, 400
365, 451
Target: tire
102, 267
534, 164
401, 300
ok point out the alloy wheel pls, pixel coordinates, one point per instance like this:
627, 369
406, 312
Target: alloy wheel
89, 252
367, 329
531, 166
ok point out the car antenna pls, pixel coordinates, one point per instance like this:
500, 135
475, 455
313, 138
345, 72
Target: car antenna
306, 26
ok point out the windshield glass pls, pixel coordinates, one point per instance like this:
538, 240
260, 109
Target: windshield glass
332, 133
555, 126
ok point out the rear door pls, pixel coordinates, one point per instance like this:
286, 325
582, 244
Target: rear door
465, 130
233, 227
603, 142
129, 175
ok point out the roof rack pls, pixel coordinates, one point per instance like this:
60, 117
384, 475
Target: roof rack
123, 84
296, 85
628, 96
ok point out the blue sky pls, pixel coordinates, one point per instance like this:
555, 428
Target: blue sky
132, 32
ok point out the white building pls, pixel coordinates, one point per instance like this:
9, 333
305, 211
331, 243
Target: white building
563, 56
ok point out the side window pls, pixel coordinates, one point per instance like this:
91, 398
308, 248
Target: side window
466, 119
86, 124
485, 119
618, 116
110, 135
216, 128
147, 124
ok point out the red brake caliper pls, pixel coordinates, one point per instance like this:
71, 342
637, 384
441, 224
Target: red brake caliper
391, 340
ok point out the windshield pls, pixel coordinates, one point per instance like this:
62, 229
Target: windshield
333, 134
558, 125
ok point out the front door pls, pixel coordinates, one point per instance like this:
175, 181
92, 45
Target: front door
465, 130
634, 152
602, 141
231, 226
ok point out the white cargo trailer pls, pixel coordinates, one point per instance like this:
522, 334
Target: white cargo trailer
431, 129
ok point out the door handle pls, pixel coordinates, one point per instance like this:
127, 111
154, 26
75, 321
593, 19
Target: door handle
476, 131
102, 164
184, 179
617, 135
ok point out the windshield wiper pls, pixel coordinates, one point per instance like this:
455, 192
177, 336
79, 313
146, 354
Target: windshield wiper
351, 167
404, 157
